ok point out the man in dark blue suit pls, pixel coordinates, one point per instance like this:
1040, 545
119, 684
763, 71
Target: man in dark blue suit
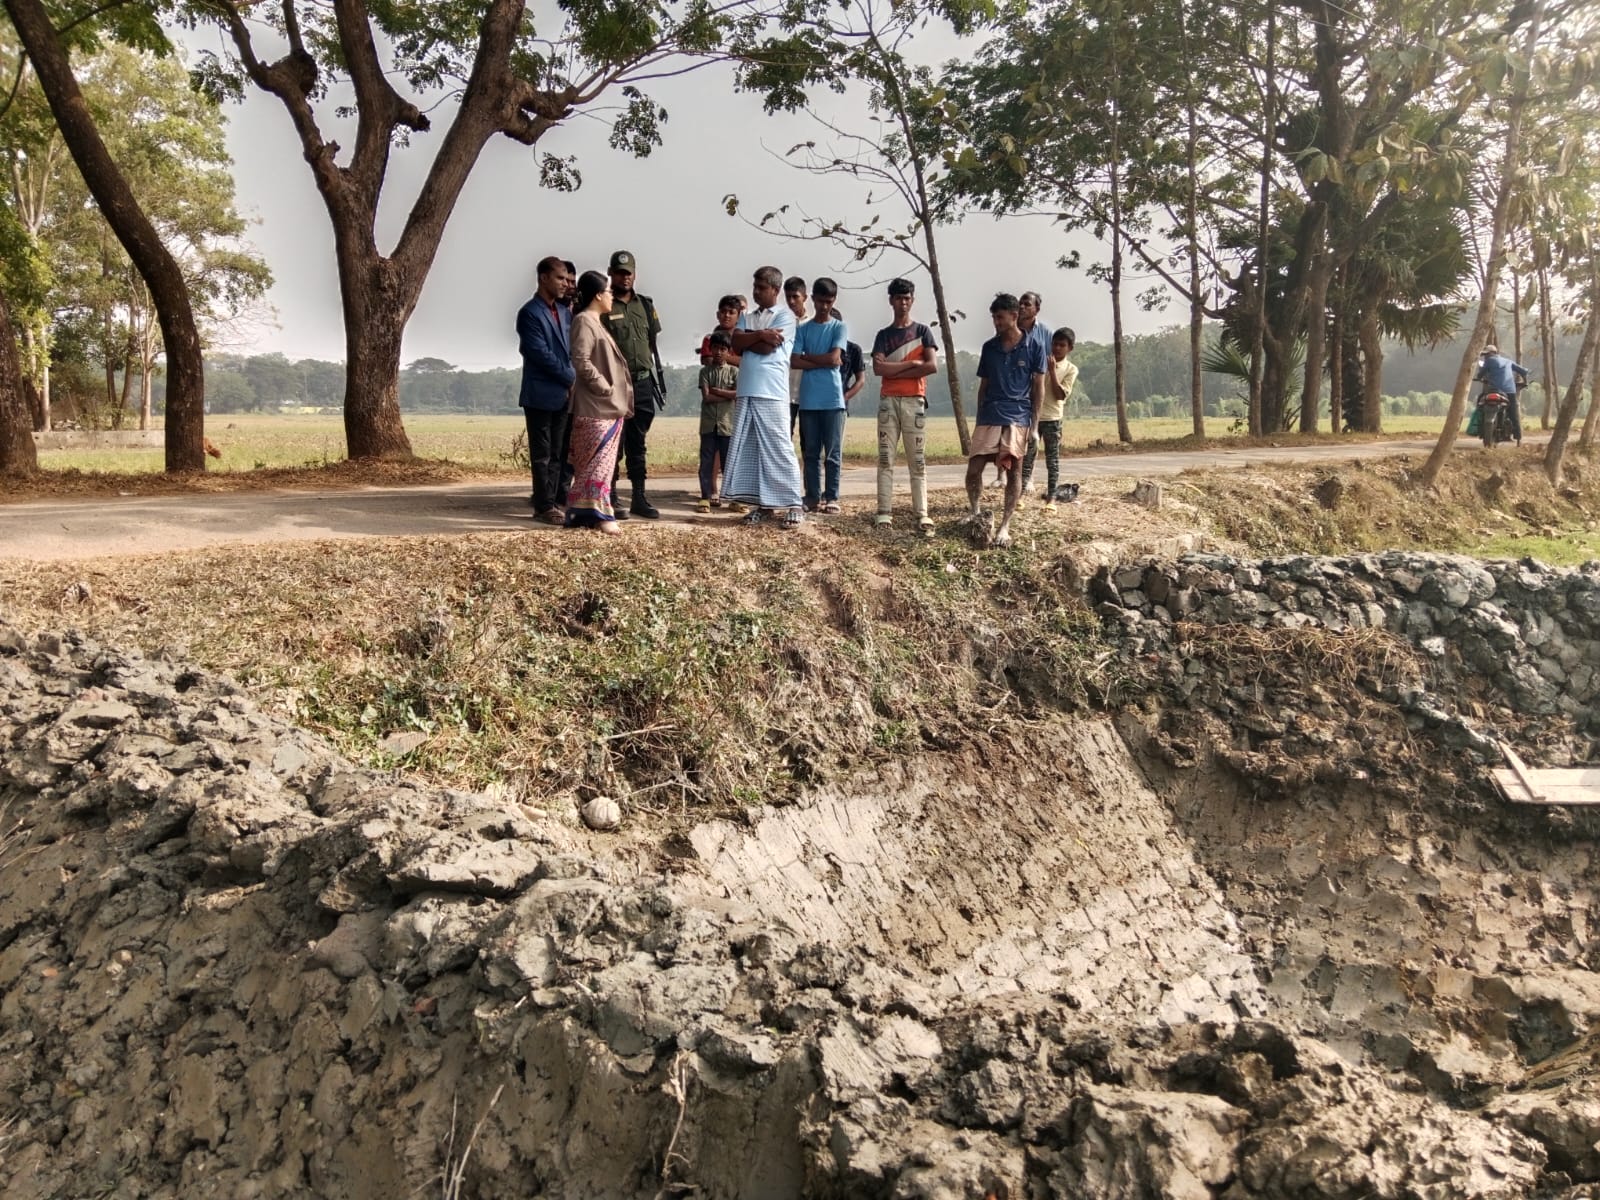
543, 329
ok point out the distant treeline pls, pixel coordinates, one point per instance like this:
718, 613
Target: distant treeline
1157, 364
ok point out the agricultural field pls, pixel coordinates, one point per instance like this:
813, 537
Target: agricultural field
257, 441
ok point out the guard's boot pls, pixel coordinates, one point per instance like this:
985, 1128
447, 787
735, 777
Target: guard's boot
641, 506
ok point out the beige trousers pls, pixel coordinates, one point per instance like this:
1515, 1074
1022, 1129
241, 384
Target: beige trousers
902, 419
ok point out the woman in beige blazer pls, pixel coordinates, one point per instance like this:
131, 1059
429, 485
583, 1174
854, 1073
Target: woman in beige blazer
602, 395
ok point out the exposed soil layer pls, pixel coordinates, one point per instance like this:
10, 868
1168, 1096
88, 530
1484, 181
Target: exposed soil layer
1263, 932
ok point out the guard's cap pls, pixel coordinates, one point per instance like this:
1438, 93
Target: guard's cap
621, 260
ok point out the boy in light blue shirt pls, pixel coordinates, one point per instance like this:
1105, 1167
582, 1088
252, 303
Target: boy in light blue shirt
819, 347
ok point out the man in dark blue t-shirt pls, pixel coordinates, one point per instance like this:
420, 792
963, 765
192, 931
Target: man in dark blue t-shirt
1010, 391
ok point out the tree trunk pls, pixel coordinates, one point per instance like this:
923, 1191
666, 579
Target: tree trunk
952, 369
1557, 448
1258, 367
374, 330
1497, 253
39, 396
1316, 338
1547, 350
1118, 350
1592, 420
1336, 372
1197, 383
1516, 312
18, 455
1191, 214
127, 386
1371, 335
1276, 375
935, 275
185, 431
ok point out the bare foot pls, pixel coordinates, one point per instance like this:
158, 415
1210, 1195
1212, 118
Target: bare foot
610, 528
1002, 538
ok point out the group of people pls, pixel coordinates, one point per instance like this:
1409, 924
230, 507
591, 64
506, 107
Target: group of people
593, 381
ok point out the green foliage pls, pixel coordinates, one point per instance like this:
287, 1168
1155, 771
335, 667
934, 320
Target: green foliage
84, 298
638, 129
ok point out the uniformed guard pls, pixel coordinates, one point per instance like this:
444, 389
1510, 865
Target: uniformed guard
635, 325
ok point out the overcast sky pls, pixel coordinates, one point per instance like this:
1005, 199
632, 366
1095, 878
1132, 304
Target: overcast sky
667, 209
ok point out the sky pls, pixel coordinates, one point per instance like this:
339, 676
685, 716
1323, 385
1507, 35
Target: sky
667, 209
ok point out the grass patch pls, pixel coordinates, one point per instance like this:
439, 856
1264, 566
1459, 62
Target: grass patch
726, 667
1483, 504
253, 442
1562, 550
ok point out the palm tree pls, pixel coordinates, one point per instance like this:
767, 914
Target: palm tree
1402, 283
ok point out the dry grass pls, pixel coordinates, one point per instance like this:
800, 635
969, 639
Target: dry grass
679, 667
726, 666
1373, 661
1484, 503
69, 483
306, 451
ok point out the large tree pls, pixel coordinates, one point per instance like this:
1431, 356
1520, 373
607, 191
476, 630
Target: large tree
169, 143
1521, 68
48, 53
508, 74
1092, 114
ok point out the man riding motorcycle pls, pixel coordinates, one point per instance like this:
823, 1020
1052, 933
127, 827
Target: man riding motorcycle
1498, 373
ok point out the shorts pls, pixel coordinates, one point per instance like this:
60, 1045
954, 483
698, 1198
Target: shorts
1005, 444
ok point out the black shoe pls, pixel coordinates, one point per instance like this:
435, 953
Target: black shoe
618, 513
641, 506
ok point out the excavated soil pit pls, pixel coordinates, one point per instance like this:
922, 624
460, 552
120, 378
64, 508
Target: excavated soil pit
1066, 960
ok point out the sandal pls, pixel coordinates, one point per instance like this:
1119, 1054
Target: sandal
756, 516
704, 506
832, 506
794, 518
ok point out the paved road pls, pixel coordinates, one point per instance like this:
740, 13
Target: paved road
111, 525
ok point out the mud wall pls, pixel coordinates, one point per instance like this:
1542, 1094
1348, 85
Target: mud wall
232, 964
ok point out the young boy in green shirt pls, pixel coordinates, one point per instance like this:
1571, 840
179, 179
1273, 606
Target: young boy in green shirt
719, 379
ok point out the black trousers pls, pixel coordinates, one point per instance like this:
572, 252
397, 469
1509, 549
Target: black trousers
636, 429
548, 434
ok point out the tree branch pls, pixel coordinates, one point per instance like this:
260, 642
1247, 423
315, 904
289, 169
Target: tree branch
379, 107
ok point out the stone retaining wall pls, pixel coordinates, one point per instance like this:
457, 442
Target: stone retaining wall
1531, 631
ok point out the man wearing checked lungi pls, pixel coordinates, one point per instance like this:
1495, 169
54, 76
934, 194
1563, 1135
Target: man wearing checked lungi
762, 470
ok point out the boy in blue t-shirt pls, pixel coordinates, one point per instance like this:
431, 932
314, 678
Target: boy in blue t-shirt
1010, 393
819, 347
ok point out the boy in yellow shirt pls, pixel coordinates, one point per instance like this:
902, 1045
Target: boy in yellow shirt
1060, 377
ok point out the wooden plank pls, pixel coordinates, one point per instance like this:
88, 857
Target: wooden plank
1520, 770
1566, 776
1523, 784
1553, 786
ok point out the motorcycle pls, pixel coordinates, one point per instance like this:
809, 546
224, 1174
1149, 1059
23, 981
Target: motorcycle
1493, 419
